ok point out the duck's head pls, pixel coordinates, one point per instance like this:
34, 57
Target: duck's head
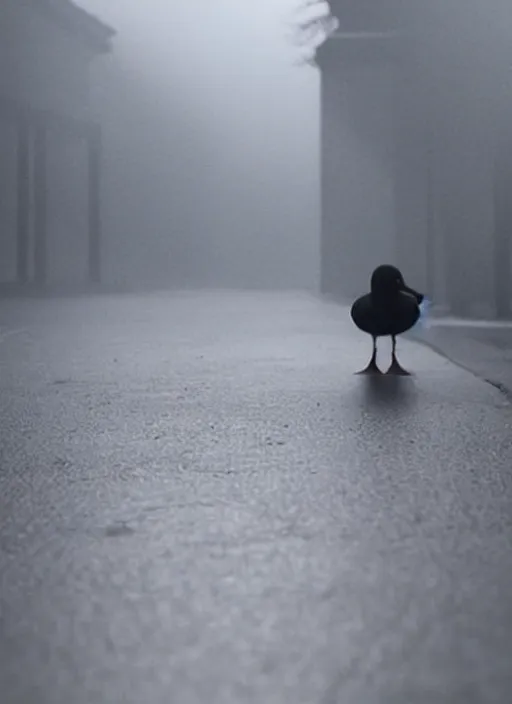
387, 280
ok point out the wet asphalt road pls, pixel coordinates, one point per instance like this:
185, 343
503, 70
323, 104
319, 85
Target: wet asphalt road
201, 503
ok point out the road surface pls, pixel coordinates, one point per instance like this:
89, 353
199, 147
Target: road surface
200, 502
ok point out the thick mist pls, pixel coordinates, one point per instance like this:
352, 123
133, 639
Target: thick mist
211, 144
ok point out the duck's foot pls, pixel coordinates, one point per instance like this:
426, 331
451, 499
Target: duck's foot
371, 369
396, 369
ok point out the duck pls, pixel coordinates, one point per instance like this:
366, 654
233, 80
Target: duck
391, 308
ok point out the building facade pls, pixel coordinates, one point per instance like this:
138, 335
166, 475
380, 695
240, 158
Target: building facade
50, 148
416, 157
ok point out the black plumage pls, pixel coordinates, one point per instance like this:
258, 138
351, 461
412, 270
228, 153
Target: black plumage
391, 308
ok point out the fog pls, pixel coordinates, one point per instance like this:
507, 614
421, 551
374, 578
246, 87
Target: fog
211, 144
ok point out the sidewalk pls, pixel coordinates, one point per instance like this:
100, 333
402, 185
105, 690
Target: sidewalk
201, 501
482, 347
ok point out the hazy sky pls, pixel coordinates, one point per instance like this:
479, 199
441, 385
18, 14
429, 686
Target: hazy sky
217, 82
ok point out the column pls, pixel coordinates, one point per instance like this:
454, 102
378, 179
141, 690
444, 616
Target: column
94, 184
40, 204
23, 203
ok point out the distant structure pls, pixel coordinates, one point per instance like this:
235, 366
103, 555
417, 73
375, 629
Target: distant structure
50, 148
417, 149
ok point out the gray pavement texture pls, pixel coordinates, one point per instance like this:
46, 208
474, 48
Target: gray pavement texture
200, 502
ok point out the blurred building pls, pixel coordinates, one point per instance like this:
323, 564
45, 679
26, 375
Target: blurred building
50, 148
416, 149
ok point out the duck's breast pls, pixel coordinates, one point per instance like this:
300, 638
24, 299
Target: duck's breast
404, 314
382, 316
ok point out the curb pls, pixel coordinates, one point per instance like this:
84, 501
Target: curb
480, 358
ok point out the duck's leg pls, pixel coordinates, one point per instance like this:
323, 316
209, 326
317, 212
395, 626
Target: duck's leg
395, 368
372, 367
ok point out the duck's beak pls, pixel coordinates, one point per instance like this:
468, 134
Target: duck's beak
418, 296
